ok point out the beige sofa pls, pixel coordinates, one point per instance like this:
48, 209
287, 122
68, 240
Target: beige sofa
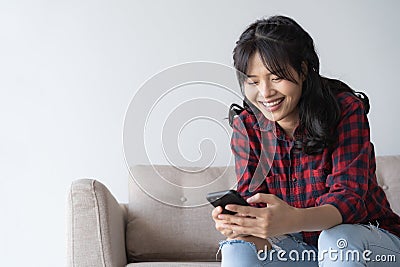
146, 232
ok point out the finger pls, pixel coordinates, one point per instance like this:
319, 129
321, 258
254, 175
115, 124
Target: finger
234, 231
226, 231
264, 198
229, 233
221, 225
243, 210
216, 211
240, 220
224, 216
238, 230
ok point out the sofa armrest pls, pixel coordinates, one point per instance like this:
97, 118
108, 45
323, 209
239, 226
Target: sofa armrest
95, 226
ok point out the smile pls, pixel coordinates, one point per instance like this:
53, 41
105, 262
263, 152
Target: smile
272, 104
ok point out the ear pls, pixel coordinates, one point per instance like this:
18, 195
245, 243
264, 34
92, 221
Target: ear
304, 71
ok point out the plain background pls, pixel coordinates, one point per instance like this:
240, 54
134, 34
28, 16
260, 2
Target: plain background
69, 69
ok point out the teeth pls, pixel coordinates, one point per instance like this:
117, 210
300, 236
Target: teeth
271, 104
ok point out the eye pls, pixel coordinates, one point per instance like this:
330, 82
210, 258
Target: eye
250, 82
277, 79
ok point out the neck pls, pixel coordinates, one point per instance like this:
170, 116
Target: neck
289, 129
289, 125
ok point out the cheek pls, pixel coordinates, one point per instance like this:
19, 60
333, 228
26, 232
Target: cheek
294, 94
292, 102
250, 94
298, 96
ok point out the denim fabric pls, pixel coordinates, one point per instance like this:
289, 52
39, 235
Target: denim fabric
342, 245
286, 251
358, 245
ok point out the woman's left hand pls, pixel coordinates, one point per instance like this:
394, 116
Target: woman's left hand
276, 219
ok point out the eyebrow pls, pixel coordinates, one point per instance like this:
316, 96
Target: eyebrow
250, 75
269, 74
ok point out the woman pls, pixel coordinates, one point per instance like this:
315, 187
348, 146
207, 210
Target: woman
304, 162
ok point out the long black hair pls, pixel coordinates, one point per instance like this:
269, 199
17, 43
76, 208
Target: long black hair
281, 43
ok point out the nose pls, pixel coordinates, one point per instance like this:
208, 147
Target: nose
265, 89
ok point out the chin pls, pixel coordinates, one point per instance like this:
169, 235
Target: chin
270, 116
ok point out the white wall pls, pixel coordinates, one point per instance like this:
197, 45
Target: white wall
68, 70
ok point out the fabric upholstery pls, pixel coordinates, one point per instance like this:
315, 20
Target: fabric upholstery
96, 226
155, 232
388, 175
180, 234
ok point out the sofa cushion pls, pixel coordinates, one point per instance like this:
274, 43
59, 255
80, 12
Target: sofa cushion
176, 233
388, 175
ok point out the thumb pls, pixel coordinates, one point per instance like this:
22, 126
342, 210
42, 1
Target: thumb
263, 198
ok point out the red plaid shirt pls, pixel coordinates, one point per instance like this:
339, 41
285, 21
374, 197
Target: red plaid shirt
343, 177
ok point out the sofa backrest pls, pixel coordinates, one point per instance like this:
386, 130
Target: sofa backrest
388, 175
170, 222
169, 218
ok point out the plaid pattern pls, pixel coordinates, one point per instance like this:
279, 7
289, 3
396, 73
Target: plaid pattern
343, 177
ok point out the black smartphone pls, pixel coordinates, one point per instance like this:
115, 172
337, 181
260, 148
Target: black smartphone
222, 198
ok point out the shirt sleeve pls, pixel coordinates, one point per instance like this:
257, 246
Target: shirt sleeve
246, 152
348, 182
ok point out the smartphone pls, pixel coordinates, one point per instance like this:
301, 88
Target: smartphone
223, 198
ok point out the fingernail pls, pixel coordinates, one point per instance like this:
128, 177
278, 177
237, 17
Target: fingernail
220, 216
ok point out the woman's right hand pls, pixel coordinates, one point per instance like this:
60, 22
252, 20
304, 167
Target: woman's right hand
220, 223
259, 242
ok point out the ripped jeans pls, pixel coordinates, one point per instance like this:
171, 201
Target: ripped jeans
342, 245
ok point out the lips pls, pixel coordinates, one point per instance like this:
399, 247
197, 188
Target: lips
272, 103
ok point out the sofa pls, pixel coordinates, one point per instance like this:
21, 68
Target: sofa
148, 232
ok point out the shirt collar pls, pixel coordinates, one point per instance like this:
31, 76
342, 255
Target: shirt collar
262, 123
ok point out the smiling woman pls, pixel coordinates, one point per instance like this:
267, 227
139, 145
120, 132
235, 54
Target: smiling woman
307, 139
275, 97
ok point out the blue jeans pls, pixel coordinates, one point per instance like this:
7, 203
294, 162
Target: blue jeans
342, 245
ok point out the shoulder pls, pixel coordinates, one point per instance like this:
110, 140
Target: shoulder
245, 122
346, 97
349, 102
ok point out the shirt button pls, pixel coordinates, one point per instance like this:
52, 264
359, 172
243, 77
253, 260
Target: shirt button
385, 187
294, 179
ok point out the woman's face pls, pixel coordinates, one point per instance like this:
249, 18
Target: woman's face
276, 98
